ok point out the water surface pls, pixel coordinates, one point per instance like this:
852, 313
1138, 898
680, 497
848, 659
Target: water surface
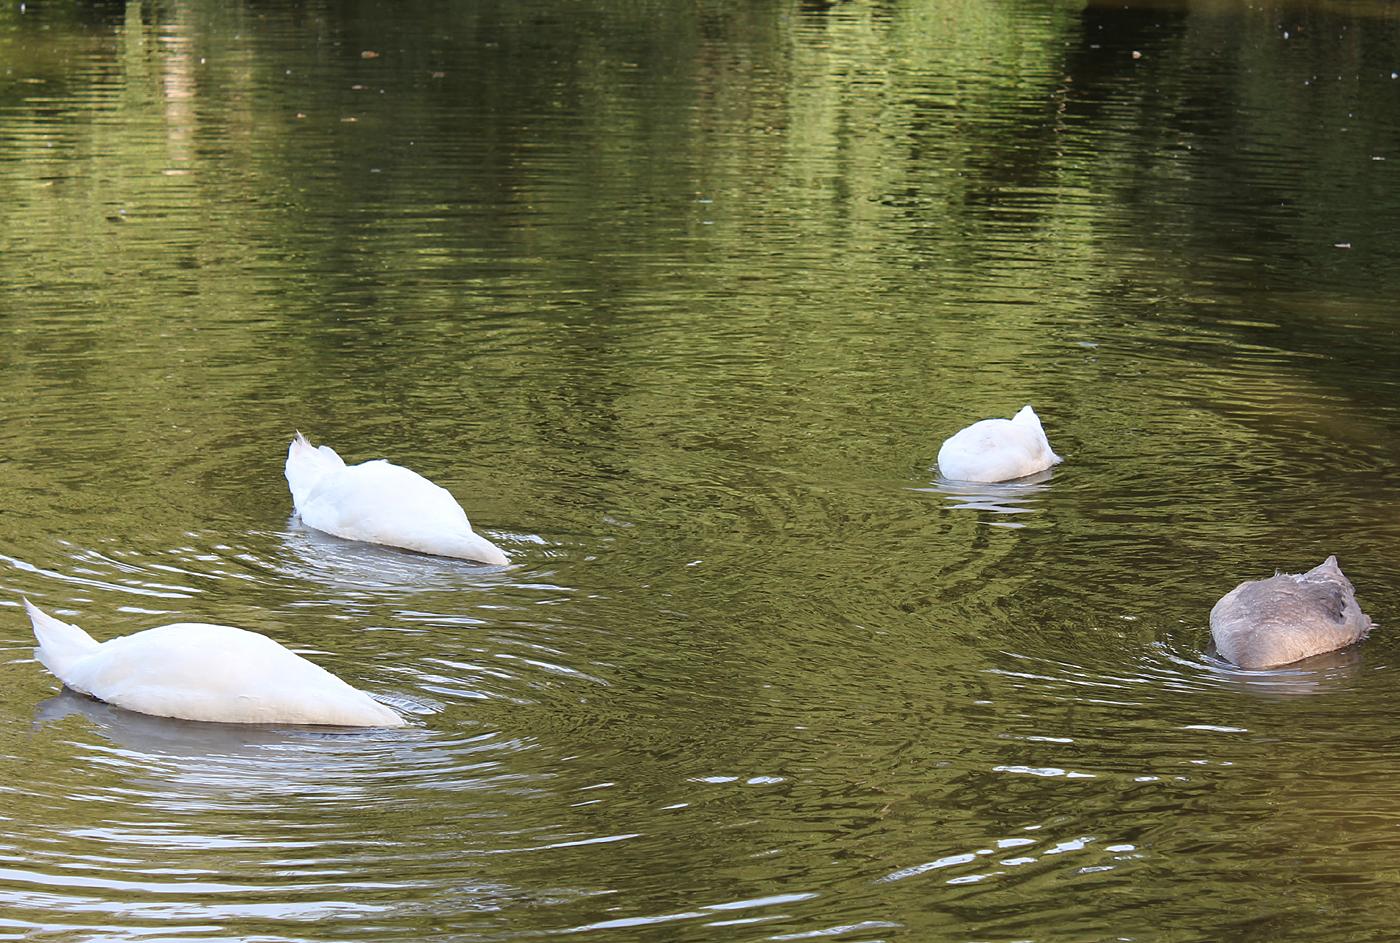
679, 300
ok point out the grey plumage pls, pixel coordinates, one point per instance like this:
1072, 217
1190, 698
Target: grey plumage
1288, 617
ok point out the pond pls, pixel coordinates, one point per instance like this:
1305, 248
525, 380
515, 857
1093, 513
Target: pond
679, 300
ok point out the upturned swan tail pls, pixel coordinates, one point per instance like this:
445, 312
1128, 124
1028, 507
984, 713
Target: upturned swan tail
307, 465
60, 644
1029, 420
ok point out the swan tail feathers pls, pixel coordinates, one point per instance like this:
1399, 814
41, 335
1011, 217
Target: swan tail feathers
307, 465
60, 644
1030, 421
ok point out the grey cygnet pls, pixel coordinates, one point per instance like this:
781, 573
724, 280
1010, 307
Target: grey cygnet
1288, 617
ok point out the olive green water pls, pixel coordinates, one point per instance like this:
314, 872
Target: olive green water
679, 299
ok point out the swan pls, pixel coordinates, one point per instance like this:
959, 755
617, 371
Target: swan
997, 449
381, 503
1288, 617
197, 671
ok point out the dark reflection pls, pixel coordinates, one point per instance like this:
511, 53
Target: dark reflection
88, 14
1110, 32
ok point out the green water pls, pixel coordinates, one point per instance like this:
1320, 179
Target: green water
679, 299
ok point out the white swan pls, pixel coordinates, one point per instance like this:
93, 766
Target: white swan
197, 671
381, 503
997, 450
1286, 618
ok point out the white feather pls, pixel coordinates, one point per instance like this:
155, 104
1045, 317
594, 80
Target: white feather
382, 503
997, 449
197, 671
307, 465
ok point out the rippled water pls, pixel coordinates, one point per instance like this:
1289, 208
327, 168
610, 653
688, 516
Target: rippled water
679, 300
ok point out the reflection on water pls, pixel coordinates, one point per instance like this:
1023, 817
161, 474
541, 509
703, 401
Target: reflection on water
675, 297
1003, 498
1328, 672
366, 569
195, 745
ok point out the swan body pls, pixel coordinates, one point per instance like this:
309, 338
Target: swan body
381, 503
1288, 617
997, 449
197, 671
